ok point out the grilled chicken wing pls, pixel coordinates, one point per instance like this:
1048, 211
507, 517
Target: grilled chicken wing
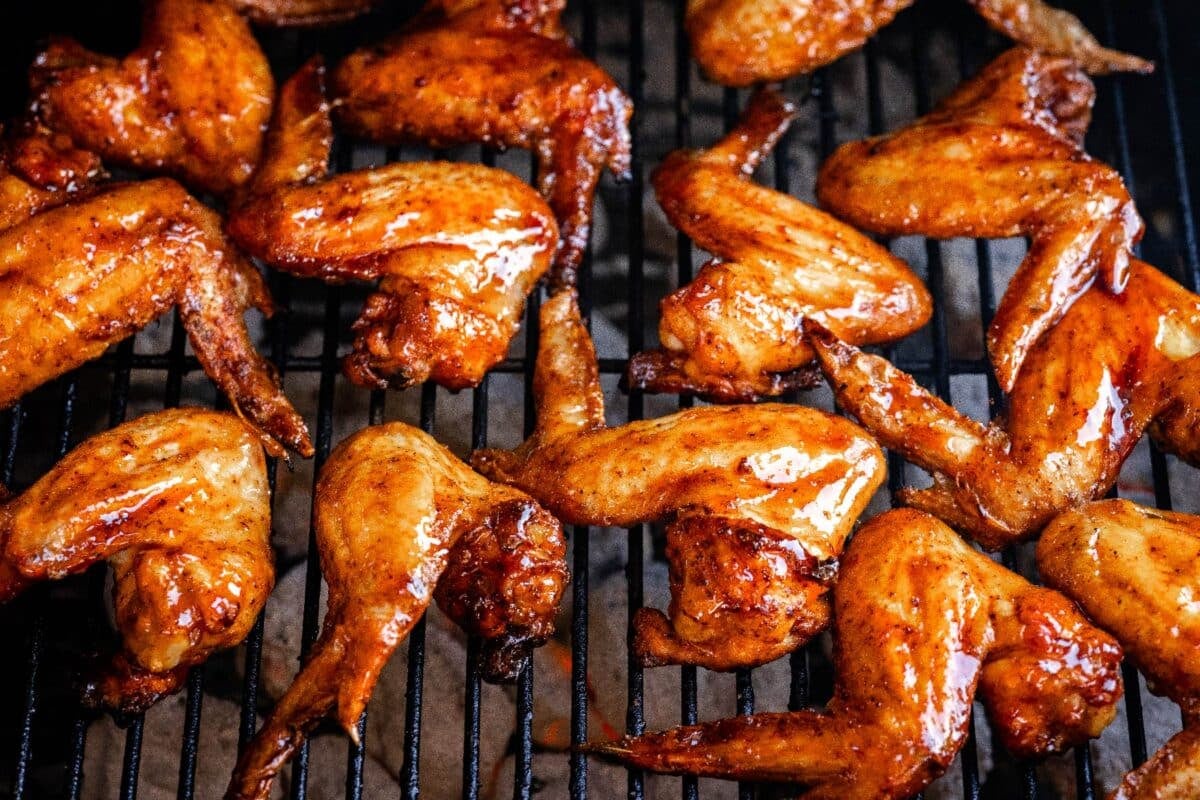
40, 170
922, 623
191, 101
456, 247
758, 501
82, 276
1001, 157
302, 13
502, 73
177, 503
393, 508
740, 42
1136, 571
733, 333
1114, 367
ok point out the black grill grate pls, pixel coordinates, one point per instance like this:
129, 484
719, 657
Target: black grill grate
1134, 115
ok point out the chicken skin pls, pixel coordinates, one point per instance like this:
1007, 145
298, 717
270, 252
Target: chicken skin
177, 503
502, 73
85, 275
192, 101
455, 247
41, 170
394, 510
1136, 571
1113, 368
1001, 156
733, 334
302, 13
923, 623
758, 501
741, 42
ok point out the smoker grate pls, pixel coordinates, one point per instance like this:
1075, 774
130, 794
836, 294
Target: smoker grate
1131, 116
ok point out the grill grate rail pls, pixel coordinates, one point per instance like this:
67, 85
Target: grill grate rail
1115, 129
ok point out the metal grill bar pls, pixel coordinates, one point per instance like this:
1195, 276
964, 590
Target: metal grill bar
935, 370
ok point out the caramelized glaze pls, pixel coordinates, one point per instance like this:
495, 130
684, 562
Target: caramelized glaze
1001, 156
758, 500
1111, 369
302, 13
923, 623
733, 333
742, 42
455, 247
395, 514
192, 101
177, 503
501, 73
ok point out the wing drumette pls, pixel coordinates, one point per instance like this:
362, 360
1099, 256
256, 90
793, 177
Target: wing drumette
499, 72
1001, 157
85, 275
923, 622
740, 42
191, 101
734, 332
393, 508
1136, 571
177, 503
456, 247
1111, 369
756, 500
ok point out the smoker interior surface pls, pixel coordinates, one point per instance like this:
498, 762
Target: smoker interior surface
433, 727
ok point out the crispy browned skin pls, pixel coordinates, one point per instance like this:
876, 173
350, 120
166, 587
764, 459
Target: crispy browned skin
1136, 571
456, 247
733, 334
1001, 157
1114, 367
757, 500
392, 509
85, 275
39, 170
302, 13
740, 42
192, 101
922, 622
177, 503
498, 72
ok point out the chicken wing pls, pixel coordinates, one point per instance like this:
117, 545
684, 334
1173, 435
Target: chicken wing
85, 275
302, 13
192, 101
392, 509
758, 501
40, 170
502, 73
1001, 157
1136, 571
740, 42
733, 334
1114, 367
177, 503
456, 247
923, 622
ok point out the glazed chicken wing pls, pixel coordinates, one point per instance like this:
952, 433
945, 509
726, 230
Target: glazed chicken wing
302, 13
1001, 157
733, 334
498, 72
85, 275
758, 501
192, 101
1136, 571
1114, 367
177, 503
40, 170
740, 42
393, 510
455, 247
923, 622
